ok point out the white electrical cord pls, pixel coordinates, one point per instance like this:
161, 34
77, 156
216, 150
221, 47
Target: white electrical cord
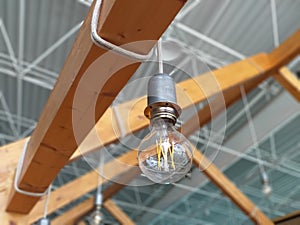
103, 43
47, 201
252, 130
159, 57
17, 176
99, 187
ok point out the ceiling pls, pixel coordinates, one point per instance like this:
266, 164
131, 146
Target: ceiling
36, 36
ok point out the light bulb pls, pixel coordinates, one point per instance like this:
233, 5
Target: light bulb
165, 155
96, 217
44, 221
267, 189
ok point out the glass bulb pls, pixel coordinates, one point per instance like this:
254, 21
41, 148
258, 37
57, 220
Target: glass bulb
267, 189
96, 217
165, 155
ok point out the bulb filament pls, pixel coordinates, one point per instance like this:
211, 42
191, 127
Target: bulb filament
163, 148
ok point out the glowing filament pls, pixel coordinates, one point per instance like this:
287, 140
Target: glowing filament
163, 148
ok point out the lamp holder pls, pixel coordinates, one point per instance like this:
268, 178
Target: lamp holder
162, 100
98, 199
44, 221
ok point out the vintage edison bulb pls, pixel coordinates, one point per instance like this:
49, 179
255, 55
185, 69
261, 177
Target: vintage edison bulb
165, 155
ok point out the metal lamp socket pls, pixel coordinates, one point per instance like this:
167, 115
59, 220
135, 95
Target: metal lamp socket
162, 100
98, 199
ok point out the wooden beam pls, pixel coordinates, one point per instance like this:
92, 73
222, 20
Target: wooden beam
71, 216
48, 151
289, 81
204, 116
80, 223
189, 92
227, 84
67, 193
85, 207
106, 130
229, 189
257, 65
118, 213
289, 219
286, 51
213, 109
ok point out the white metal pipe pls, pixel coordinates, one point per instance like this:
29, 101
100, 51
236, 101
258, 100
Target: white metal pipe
19, 101
26, 121
217, 17
52, 48
8, 115
24, 63
8, 45
274, 22
248, 157
21, 33
210, 41
205, 57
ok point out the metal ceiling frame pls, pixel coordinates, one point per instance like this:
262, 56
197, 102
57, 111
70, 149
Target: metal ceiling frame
272, 2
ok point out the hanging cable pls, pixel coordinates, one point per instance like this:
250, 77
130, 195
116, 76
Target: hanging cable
106, 44
99, 187
47, 201
265, 180
18, 173
159, 57
252, 129
96, 218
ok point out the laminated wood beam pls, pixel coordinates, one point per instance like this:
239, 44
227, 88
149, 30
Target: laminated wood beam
118, 213
259, 66
210, 170
54, 141
286, 51
74, 214
229, 189
189, 92
204, 116
76, 188
289, 219
137, 121
289, 81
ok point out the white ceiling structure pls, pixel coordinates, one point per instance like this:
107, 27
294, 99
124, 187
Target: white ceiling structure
36, 36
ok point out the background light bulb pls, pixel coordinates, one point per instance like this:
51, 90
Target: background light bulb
267, 189
165, 155
44, 221
96, 217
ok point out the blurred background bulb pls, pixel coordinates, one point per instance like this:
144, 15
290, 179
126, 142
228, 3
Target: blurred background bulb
165, 155
44, 221
267, 189
96, 217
